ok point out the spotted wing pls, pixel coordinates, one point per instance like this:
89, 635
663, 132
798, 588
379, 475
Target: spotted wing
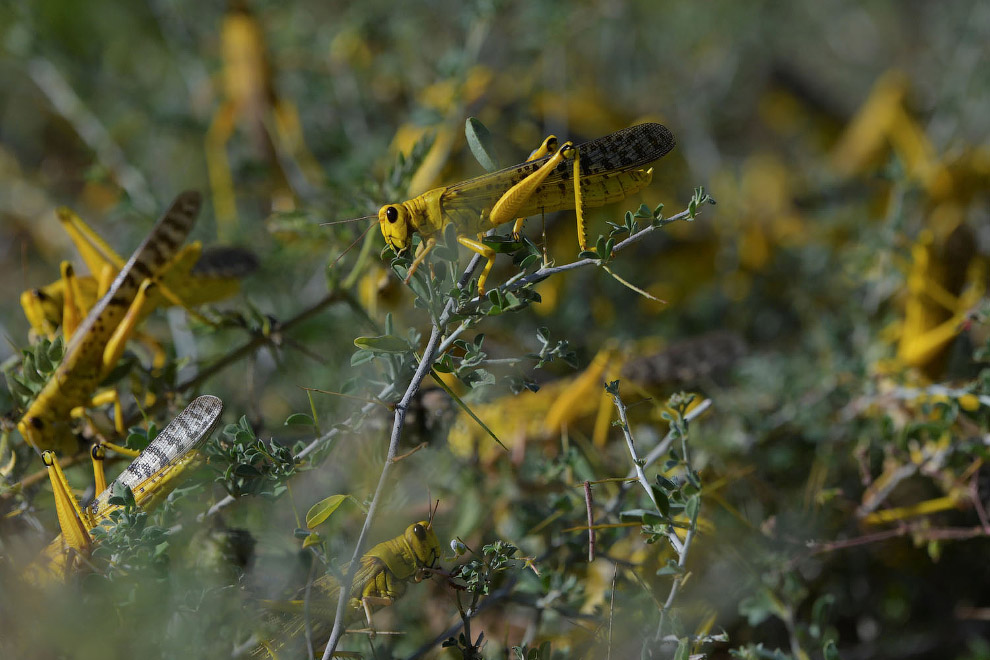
148, 474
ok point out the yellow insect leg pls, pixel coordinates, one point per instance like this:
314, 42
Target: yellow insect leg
104, 279
94, 250
582, 227
508, 206
290, 134
97, 454
115, 346
72, 315
109, 396
421, 252
484, 251
75, 532
548, 146
218, 167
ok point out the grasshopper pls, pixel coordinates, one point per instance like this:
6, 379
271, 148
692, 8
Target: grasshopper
553, 179
272, 122
98, 341
380, 580
151, 476
195, 276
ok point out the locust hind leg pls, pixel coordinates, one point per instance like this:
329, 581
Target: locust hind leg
509, 204
548, 146
113, 351
582, 226
218, 166
72, 314
75, 531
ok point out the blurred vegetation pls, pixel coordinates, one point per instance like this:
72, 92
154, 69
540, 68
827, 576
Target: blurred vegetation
804, 419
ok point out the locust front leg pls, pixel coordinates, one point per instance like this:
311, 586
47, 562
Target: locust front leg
421, 252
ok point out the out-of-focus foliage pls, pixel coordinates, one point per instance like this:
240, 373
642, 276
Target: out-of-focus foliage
819, 491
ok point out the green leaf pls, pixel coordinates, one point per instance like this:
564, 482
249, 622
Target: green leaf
502, 244
312, 539
691, 509
383, 344
319, 512
362, 356
479, 140
662, 502
299, 418
634, 515
651, 518
643, 212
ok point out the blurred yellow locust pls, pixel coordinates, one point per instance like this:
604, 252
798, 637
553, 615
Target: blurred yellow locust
151, 476
608, 169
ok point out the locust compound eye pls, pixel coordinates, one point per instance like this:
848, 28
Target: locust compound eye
419, 531
391, 214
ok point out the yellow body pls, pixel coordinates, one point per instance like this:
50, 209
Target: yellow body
380, 579
566, 406
609, 169
194, 277
96, 345
151, 476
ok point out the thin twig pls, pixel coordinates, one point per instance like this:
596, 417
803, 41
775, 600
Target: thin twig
662, 447
543, 273
258, 340
638, 466
591, 522
67, 103
685, 549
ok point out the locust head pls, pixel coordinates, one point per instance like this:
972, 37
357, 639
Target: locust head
395, 222
423, 541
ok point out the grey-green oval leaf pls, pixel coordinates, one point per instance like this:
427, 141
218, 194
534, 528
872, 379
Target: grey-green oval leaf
383, 344
480, 142
319, 512
299, 418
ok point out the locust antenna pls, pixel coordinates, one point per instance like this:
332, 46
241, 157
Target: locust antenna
433, 512
356, 241
343, 222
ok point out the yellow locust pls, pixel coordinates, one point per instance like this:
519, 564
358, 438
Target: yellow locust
96, 345
380, 580
150, 476
194, 276
608, 169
